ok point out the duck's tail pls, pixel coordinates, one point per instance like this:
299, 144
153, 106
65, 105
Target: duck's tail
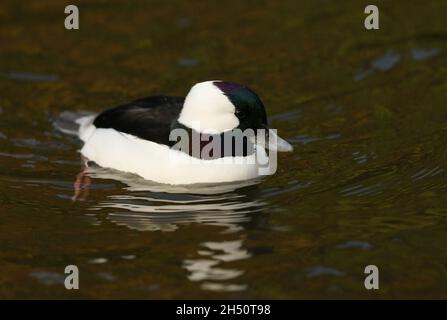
78, 124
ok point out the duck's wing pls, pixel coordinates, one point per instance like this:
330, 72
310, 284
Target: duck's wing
148, 118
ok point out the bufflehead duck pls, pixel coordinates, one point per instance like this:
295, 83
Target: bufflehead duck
137, 137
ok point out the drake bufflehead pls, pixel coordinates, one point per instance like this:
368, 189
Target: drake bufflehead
137, 137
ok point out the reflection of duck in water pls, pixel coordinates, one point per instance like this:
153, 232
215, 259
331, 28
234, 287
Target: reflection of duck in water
135, 137
209, 265
151, 206
147, 206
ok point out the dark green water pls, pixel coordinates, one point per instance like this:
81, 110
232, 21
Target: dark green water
365, 110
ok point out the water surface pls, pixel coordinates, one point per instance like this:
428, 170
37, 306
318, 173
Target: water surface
366, 184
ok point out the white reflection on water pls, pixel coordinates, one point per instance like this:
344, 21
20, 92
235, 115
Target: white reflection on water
149, 206
208, 267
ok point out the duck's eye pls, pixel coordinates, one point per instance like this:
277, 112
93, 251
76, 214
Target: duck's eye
240, 114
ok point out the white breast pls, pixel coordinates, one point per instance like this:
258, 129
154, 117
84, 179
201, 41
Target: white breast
112, 149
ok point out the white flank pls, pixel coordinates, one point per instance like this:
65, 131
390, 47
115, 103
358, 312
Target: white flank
112, 149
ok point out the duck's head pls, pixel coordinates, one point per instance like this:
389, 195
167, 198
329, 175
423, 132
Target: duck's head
219, 106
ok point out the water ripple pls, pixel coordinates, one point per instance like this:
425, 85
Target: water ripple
206, 269
361, 190
426, 173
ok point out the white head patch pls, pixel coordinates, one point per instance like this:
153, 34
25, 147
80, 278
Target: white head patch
208, 110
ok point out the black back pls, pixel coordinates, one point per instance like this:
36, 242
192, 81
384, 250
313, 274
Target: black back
148, 118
